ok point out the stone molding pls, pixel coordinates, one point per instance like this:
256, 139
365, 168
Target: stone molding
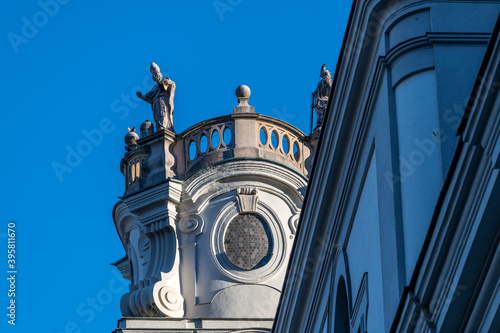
177, 325
293, 222
252, 169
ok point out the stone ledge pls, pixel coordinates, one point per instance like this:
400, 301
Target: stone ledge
174, 325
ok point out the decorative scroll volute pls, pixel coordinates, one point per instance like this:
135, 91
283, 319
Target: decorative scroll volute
151, 244
168, 300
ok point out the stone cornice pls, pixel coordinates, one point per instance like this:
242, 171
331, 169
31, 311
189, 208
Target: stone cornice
167, 190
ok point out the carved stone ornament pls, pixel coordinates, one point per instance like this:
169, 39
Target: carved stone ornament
168, 300
139, 303
138, 248
153, 301
154, 261
188, 225
247, 199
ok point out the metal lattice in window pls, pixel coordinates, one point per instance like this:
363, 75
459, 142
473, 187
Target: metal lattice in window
248, 242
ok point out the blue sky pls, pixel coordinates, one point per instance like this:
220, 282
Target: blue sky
72, 67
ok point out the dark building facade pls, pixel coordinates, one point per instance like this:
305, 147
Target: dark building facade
400, 226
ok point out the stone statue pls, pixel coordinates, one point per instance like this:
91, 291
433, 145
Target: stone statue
161, 98
321, 95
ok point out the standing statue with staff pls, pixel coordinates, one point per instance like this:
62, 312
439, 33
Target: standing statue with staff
161, 98
320, 97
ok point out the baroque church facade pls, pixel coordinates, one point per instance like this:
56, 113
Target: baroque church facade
400, 226
388, 222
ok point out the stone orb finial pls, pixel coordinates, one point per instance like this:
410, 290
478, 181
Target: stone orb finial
131, 139
243, 94
243, 91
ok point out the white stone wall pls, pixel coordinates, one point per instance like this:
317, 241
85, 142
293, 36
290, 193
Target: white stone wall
174, 236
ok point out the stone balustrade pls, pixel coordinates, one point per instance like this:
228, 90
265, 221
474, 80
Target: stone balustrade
285, 140
242, 134
205, 143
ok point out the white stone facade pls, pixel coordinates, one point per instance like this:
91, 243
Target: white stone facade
208, 230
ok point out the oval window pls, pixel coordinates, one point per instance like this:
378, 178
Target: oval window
296, 152
192, 150
203, 143
274, 139
263, 137
227, 136
285, 143
215, 139
248, 242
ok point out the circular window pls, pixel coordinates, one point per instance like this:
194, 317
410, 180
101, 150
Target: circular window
248, 242
248, 247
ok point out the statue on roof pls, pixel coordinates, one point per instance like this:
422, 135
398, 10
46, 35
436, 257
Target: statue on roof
321, 95
161, 98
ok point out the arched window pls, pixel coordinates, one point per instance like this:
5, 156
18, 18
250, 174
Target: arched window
341, 316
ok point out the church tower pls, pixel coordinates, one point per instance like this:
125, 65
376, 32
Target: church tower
207, 221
